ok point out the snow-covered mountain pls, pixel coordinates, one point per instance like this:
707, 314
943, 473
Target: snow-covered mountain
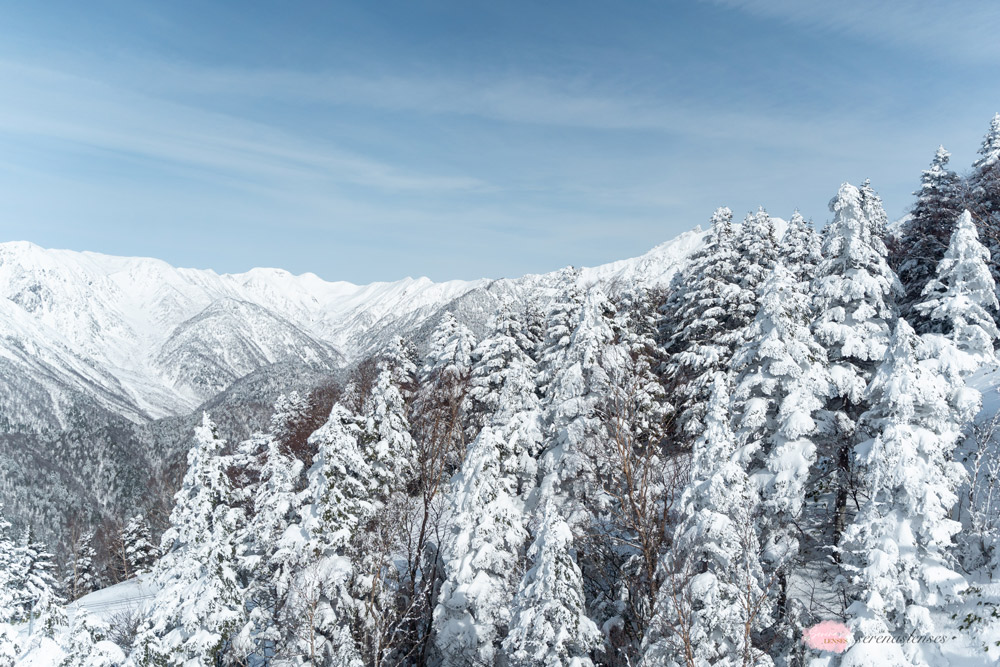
143, 339
140, 338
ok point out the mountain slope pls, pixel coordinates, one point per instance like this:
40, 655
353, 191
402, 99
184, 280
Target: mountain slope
142, 339
145, 340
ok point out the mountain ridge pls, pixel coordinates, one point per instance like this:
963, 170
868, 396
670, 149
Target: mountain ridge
122, 331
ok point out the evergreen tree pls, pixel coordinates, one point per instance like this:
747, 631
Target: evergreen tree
898, 546
386, 441
505, 346
473, 611
700, 329
35, 583
560, 322
549, 623
715, 603
320, 610
444, 403
782, 384
984, 192
11, 576
200, 607
577, 382
80, 577
756, 250
871, 207
88, 643
270, 548
533, 317
801, 248
140, 552
854, 300
10, 644
450, 351
398, 358
12, 595
961, 301
924, 238
485, 545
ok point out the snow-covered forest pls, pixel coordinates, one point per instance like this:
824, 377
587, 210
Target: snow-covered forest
798, 425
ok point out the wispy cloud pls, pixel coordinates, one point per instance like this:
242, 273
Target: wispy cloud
90, 113
965, 30
529, 100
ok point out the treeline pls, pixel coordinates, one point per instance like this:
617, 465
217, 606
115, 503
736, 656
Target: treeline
686, 477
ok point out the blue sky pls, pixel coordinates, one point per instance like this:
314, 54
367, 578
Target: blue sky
374, 140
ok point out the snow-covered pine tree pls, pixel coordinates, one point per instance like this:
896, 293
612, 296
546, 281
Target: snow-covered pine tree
984, 193
924, 238
11, 595
699, 329
80, 577
39, 600
855, 295
10, 644
11, 577
577, 382
390, 454
782, 383
399, 359
267, 558
519, 422
532, 314
549, 622
140, 552
801, 248
450, 350
960, 301
898, 546
320, 609
483, 553
386, 441
756, 251
89, 644
715, 600
571, 426
560, 321
480, 557
443, 403
200, 603
506, 345
874, 212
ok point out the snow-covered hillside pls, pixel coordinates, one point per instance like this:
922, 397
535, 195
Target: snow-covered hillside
142, 339
138, 336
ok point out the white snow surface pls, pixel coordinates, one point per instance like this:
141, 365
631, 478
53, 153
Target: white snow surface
132, 596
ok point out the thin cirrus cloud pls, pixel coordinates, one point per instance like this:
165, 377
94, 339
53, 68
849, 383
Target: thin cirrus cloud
66, 108
965, 31
529, 100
